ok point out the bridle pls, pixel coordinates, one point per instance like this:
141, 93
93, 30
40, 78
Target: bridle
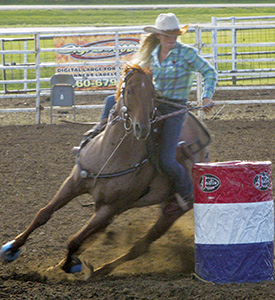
125, 118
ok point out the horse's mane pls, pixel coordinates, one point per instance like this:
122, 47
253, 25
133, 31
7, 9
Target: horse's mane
126, 70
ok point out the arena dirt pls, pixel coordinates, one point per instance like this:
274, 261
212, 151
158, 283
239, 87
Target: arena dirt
34, 162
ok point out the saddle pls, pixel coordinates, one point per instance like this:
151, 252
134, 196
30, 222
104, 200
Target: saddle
194, 138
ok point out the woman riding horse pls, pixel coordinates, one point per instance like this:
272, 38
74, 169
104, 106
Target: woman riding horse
173, 66
121, 150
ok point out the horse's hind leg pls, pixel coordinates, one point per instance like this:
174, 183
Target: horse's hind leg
170, 213
66, 193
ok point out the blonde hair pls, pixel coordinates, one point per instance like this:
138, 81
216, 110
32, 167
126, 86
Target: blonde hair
147, 45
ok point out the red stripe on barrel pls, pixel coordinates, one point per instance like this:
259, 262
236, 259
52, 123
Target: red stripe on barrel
232, 182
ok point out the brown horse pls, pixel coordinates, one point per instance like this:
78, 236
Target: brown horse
114, 169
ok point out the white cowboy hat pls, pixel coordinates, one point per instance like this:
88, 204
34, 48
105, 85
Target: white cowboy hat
167, 24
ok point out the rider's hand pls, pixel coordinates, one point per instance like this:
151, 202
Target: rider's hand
207, 102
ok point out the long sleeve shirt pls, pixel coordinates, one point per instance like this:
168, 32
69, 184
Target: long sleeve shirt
174, 77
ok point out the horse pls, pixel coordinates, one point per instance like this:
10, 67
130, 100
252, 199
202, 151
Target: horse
114, 169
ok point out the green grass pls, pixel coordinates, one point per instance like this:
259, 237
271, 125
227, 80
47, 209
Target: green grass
30, 18
120, 2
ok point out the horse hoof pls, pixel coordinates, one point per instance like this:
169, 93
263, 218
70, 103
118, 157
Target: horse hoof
7, 254
74, 266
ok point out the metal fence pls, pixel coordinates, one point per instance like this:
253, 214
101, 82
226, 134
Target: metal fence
247, 51
243, 55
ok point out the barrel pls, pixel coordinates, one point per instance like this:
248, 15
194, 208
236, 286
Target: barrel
234, 221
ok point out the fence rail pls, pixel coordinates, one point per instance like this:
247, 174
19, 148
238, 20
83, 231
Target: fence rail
243, 55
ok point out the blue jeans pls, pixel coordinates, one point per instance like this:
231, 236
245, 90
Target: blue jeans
171, 130
109, 102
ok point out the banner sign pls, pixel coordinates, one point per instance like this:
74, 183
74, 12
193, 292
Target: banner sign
97, 76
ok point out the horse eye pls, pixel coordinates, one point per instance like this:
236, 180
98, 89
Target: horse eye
129, 92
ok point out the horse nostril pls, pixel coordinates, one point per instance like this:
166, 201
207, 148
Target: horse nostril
141, 132
137, 130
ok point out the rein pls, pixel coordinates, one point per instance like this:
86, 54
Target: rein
182, 111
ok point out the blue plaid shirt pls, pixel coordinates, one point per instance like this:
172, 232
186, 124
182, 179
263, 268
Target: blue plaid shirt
174, 77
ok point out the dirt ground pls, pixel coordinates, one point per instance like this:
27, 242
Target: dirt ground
34, 162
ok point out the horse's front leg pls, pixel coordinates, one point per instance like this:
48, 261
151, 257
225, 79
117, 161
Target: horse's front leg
99, 221
69, 190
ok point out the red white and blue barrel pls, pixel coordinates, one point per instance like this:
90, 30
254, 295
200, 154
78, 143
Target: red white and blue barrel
234, 221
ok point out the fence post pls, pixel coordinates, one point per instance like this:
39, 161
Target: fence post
117, 58
234, 49
214, 43
37, 64
199, 77
25, 62
3, 63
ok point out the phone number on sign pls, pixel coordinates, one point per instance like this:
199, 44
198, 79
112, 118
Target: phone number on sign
97, 83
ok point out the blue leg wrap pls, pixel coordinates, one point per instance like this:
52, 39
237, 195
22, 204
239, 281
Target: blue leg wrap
7, 254
76, 268
76, 265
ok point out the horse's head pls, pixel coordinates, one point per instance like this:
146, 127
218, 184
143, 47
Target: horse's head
136, 100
